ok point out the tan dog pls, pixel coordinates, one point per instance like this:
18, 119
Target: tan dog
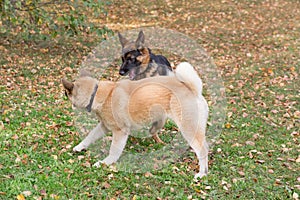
129, 105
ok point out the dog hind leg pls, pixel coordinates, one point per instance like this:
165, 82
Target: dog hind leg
94, 135
156, 127
203, 159
197, 141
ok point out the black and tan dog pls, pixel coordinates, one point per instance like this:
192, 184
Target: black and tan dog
139, 62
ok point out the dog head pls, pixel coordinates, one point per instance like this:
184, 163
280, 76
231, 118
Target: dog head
81, 91
134, 55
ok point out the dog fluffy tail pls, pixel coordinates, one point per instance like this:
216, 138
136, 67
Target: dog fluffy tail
187, 74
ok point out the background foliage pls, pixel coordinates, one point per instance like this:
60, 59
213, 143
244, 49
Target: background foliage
255, 45
46, 19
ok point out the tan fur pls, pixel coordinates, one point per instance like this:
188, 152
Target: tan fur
144, 58
129, 105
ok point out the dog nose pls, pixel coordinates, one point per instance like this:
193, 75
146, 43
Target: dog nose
121, 72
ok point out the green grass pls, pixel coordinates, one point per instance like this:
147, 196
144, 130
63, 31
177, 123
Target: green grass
36, 156
255, 157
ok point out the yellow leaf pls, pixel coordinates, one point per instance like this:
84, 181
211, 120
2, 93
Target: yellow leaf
197, 190
20, 197
28, 2
40, 21
227, 125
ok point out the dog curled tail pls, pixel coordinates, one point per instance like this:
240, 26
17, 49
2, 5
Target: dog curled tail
187, 74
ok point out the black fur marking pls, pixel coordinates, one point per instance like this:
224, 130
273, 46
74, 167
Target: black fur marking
154, 73
160, 59
66, 93
89, 107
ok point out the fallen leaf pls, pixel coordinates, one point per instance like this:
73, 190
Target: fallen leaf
15, 137
80, 157
27, 193
250, 143
55, 157
34, 71
227, 125
241, 173
110, 176
54, 196
277, 181
225, 187
223, 182
148, 174
18, 159
208, 187
297, 114
20, 197
134, 197
43, 192
250, 155
295, 196
260, 161
1, 126
256, 136
68, 69
106, 185
236, 145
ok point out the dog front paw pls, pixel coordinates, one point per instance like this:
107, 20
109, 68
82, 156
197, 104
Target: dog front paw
79, 148
98, 164
199, 175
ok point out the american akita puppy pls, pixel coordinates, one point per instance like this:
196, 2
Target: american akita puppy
129, 105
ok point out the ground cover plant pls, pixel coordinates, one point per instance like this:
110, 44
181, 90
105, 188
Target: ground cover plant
255, 45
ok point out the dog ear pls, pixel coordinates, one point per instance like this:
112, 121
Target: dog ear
68, 85
84, 73
122, 40
139, 43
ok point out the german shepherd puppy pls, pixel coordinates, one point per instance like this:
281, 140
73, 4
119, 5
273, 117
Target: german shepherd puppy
124, 106
139, 62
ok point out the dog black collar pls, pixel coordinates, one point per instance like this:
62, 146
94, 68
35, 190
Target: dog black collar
89, 107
